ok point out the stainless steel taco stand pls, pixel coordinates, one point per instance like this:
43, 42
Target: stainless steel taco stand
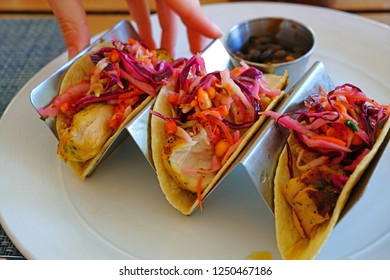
258, 160
256, 163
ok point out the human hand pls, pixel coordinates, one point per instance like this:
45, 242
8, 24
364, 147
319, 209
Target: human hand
73, 23
198, 25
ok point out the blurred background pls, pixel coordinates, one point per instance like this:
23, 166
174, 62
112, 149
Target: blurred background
103, 14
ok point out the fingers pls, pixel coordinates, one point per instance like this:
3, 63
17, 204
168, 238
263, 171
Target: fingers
73, 23
72, 20
168, 23
198, 24
139, 11
196, 41
192, 15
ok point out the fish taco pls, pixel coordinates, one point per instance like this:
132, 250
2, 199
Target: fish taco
99, 94
331, 144
202, 121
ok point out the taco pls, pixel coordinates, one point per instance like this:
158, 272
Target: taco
201, 122
99, 94
331, 144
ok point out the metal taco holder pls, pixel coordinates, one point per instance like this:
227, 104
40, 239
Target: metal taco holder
255, 164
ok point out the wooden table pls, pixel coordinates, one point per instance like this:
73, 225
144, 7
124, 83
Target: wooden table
103, 14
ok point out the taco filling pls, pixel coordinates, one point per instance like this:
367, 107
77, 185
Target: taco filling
99, 94
332, 142
202, 121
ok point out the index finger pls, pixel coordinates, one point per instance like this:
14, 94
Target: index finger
73, 23
140, 12
194, 17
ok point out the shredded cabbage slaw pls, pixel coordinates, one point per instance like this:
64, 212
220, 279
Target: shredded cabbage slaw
340, 126
123, 75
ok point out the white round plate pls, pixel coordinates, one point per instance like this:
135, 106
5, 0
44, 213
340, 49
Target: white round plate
120, 212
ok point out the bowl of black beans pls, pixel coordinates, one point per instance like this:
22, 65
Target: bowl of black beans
273, 45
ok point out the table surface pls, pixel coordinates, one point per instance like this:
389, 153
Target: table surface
104, 14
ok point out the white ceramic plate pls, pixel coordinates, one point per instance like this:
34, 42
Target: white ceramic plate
120, 212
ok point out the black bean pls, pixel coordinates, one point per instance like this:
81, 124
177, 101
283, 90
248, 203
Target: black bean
279, 54
265, 55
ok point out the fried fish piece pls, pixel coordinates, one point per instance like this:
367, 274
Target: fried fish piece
313, 196
87, 134
187, 162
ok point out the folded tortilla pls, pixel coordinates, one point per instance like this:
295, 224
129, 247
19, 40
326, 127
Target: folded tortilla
183, 200
79, 70
289, 241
